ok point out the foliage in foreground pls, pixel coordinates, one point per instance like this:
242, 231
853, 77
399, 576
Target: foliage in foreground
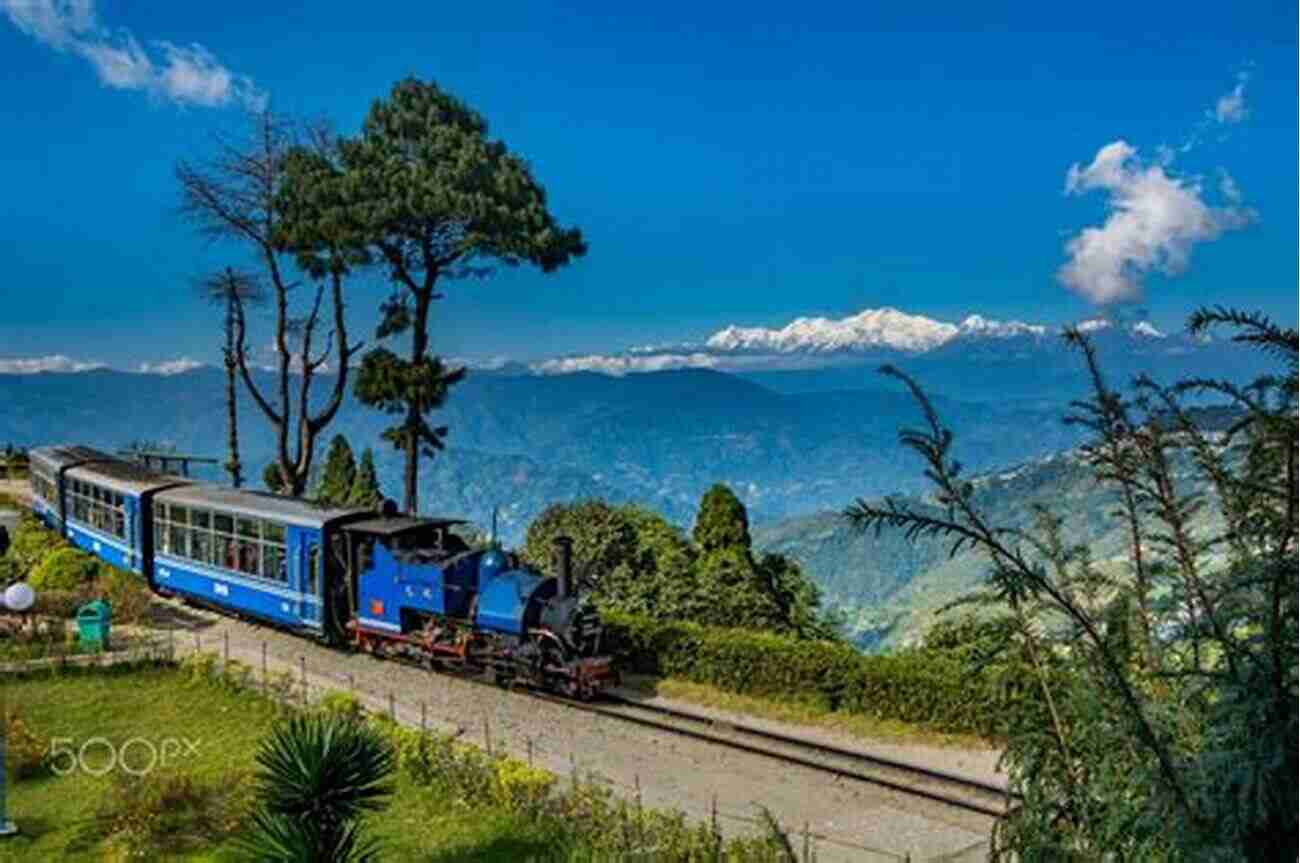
1165, 724
319, 775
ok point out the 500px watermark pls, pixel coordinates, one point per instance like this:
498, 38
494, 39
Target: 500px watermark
99, 755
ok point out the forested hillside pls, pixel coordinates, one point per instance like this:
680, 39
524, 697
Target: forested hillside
891, 587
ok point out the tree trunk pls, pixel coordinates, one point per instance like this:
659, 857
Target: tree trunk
415, 413
232, 416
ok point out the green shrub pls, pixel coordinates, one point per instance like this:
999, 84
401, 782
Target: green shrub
62, 604
338, 703
126, 592
64, 569
933, 689
30, 544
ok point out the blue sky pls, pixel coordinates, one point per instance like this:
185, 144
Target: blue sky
729, 164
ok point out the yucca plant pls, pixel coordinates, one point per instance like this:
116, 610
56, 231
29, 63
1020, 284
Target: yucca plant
318, 775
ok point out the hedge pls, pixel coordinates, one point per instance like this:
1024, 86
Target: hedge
924, 688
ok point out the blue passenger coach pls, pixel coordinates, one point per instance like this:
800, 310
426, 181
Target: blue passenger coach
47, 465
107, 510
249, 552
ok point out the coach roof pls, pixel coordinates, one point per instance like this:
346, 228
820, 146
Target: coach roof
63, 455
257, 504
123, 476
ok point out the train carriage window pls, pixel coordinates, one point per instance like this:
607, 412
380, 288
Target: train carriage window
200, 518
313, 569
200, 545
177, 543
250, 558
159, 537
119, 524
247, 527
223, 523
273, 532
365, 555
223, 551
179, 515
273, 563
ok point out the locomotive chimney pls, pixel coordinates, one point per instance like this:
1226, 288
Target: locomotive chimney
564, 551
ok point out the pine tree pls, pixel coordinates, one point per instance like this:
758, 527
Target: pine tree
431, 197
340, 472
722, 521
365, 489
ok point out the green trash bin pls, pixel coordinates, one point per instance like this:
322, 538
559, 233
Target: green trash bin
94, 620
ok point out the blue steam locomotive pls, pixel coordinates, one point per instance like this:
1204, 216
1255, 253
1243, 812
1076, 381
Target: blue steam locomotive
384, 583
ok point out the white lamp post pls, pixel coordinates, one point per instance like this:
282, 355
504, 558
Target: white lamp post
17, 597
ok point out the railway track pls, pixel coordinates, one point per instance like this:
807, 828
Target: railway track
937, 786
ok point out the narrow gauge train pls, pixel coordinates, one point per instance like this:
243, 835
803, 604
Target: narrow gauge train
384, 583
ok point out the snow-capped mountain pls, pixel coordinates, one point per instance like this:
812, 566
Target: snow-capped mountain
812, 342
978, 326
867, 330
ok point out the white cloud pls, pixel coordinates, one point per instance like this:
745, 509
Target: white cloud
1154, 221
1231, 107
53, 363
169, 367
186, 75
1228, 187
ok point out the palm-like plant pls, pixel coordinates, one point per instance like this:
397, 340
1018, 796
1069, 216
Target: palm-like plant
318, 775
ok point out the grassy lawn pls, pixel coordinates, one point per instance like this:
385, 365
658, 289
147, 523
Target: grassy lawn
225, 727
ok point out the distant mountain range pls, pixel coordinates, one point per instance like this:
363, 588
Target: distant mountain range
889, 335
521, 442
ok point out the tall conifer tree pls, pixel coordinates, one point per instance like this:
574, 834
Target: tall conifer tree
426, 192
365, 489
340, 472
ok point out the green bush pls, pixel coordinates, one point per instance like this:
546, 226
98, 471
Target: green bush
64, 569
345, 704
61, 603
126, 592
923, 687
31, 543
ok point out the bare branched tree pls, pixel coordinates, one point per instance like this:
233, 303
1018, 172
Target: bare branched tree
236, 195
232, 290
